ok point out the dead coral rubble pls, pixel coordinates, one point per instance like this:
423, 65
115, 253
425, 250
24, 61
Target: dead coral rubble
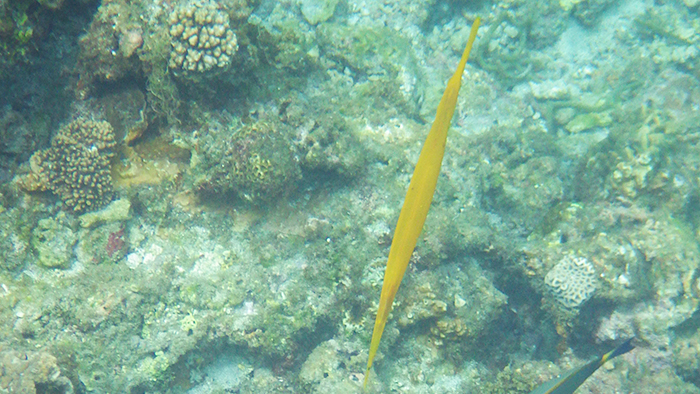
76, 167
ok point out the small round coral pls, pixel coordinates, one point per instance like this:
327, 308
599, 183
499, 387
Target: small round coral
201, 38
76, 166
572, 281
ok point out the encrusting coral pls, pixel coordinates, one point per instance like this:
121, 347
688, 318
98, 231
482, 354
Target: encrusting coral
76, 167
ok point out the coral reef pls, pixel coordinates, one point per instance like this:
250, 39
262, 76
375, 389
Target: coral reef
557, 151
30, 373
76, 167
202, 39
674, 37
107, 48
630, 177
572, 281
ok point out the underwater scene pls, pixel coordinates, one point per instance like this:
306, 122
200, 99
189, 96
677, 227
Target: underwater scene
202, 196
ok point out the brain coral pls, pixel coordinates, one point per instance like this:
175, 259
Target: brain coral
572, 281
76, 166
201, 37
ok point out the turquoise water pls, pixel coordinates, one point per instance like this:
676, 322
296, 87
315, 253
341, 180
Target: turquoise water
199, 197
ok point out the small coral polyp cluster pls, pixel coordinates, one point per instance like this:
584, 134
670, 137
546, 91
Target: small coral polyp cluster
76, 166
201, 38
572, 281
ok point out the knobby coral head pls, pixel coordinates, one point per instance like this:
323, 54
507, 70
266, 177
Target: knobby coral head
76, 167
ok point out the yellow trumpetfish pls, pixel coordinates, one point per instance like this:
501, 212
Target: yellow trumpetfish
418, 198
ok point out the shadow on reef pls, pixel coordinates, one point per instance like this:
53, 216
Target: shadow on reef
38, 40
441, 12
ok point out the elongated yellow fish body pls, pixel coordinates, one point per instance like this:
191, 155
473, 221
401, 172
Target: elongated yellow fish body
418, 198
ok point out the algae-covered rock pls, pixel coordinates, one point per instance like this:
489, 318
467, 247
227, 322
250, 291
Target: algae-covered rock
14, 240
367, 49
107, 46
329, 368
104, 244
550, 90
125, 111
256, 162
331, 146
27, 372
519, 378
471, 308
589, 12
53, 239
686, 356
588, 121
317, 11
116, 211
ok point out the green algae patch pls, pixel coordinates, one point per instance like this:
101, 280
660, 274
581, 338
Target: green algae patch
583, 122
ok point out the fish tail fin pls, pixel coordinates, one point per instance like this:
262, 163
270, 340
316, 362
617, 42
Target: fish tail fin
620, 350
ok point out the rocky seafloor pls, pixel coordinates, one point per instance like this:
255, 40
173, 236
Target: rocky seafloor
199, 196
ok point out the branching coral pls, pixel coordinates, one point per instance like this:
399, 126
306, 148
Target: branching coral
76, 166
